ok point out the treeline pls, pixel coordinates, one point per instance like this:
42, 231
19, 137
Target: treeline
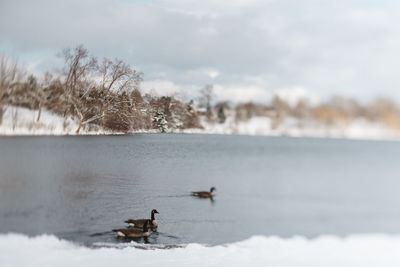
97, 94
337, 111
105, 95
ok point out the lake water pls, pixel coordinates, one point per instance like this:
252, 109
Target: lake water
79, 188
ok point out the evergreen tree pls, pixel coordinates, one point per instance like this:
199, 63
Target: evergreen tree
160, 122
221, 114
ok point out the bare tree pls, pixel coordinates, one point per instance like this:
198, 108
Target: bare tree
206, 96
118, 76
140, 108
54, 96
90, 101
14, 117
301, 110
78, 83
36, 93
191, 119
11, 76
79, 65
348, 106
281, 108
119, 79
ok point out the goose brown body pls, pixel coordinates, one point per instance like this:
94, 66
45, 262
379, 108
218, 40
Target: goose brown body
138, 223
134, 232
205, 194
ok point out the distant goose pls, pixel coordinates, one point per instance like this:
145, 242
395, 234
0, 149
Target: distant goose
138, 223
133, 232
205, 194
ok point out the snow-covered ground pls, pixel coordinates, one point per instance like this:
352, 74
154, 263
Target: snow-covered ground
358, 250
22, 121
357, 129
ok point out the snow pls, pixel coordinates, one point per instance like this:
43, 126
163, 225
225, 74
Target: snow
357, 129
25, 123
356, 250
53, 124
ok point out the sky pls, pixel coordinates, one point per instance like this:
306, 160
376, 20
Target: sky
248, 49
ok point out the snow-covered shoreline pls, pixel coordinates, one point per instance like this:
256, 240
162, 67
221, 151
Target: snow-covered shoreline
354, 250
22, 121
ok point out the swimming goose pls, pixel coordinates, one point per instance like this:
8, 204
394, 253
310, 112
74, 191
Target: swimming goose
205, 194
138, 223
133, 232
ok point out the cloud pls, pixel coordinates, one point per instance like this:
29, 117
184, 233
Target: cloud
242, 94
248, 47
213, 74
295, 94
161, 88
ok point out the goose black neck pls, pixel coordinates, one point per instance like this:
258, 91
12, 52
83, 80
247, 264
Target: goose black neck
152, 217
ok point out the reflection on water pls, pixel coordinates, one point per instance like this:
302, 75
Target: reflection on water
80, 188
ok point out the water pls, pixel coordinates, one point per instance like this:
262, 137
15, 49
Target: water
79, 188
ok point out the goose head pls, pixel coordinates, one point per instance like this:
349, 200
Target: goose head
154, 211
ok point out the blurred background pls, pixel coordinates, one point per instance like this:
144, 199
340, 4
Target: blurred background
309, 68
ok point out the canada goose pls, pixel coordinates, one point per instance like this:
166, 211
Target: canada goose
205, 194
138, 223
133, 232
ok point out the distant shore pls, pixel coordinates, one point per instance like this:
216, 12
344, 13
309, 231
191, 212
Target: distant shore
22, 121
76, 102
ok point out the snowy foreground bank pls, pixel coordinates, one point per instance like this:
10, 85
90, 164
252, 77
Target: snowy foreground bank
358, 250
21, 121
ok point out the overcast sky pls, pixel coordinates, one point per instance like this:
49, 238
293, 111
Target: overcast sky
248, 49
